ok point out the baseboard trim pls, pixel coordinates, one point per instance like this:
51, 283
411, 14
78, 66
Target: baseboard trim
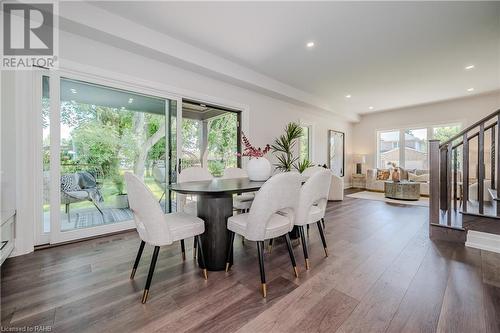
483, 241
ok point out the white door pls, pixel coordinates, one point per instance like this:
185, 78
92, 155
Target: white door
91, 133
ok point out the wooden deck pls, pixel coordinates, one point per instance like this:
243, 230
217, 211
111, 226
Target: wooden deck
383, 275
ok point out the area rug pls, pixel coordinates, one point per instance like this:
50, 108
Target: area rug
424, 201
86, 218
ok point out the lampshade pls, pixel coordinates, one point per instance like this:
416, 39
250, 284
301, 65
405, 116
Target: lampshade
359, 158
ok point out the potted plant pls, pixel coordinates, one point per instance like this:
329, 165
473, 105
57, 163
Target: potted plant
121, 198
284, 147
258, 167
301, 166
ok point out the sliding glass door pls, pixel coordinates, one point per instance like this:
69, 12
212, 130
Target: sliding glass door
92, 134
210, 137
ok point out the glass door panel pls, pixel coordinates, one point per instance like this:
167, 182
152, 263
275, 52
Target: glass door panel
209, 137
105, 132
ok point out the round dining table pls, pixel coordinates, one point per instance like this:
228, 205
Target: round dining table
215, 206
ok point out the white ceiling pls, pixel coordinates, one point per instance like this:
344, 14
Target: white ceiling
386, 55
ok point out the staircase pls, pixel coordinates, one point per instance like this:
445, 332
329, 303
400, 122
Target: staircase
463, 185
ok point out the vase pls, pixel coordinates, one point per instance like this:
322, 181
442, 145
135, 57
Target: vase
259, 169
395, 175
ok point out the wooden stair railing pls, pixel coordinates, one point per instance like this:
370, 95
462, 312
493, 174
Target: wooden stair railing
449, 165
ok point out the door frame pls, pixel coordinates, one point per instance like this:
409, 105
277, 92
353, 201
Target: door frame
56, 235
111, 78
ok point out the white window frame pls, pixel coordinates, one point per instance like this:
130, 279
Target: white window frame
310, 139
430, 135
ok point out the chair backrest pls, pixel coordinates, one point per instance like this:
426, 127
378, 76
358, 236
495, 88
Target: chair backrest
231, 173
314, 191
159, 174
148, 215
279, 193
312, 170
193, 174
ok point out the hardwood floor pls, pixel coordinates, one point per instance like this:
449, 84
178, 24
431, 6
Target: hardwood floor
383, 275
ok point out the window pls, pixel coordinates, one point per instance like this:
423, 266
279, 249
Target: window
414, 140
305, 144
416, 149
388, 148
444, 133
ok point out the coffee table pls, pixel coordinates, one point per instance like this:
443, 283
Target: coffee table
402, 190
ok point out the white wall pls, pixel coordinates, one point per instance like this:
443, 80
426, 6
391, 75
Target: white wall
267, 116
464, 110
8, 144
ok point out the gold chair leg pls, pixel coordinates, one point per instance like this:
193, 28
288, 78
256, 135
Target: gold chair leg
145, 296
264, 290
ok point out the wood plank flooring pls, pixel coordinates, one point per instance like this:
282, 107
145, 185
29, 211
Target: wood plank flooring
383, 275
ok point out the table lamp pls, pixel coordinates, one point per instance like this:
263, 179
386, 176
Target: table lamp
359, 159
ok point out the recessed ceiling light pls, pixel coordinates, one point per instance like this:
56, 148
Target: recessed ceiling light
73, 90
370, 108
130, 100
470, 89
468, 68
348, 96
310, 44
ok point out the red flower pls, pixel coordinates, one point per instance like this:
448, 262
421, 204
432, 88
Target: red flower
250, 150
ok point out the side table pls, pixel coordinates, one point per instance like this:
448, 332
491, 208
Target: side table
359, 180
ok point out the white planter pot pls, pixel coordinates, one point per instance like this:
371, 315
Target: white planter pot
259, 169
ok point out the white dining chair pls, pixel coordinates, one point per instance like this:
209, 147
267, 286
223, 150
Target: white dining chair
241, 202
312, 170
159, 229
264, 221
312, 206
191, 174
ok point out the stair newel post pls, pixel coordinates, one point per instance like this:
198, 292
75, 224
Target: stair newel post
455, 174
493, 158
449, 162
465, 172
434, 169
480, 166
442, 168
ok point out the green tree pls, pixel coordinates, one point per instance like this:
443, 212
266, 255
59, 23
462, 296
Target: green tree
96, 144
222, 143
445, 133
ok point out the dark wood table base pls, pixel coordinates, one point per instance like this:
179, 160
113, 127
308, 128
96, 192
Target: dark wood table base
215, 210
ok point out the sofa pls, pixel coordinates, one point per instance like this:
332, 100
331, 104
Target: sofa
420, 176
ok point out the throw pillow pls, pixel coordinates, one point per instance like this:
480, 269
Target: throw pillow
69, 182
383, 174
